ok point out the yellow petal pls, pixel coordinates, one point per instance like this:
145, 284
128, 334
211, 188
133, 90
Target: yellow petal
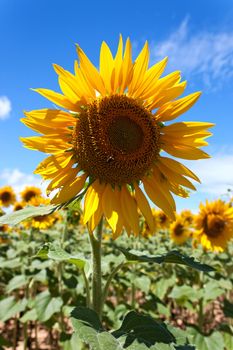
158, 90
59, 99
173, 109
45, 144
150, 79
52, 165
56, 116
62, 178
156, 195
106, 66
175, 177
127, 67
144, 207
70, 190
71, 86
110, 206
92, 199
185, 151
139, 69
129, 209
96, 217
42, 129
186, 128
168, 94
178, 167
116, 77
90, 72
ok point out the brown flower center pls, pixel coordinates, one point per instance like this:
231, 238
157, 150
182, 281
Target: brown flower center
178, 230
214, 225
116, 140
29, 195
5, 196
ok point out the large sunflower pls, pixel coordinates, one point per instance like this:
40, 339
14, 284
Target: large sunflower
7, 196
111, 137
214, 225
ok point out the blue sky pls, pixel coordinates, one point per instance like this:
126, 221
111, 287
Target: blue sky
196, 35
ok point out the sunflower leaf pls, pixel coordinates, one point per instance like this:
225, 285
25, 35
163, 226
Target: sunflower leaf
26, 213
173, 256
52, 251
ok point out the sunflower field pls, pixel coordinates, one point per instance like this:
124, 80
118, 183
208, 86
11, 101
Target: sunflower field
102, 260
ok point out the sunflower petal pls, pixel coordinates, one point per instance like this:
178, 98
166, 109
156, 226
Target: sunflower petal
144, 207
70, 190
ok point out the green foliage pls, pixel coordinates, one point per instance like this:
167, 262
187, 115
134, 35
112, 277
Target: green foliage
213, 341
23, 214
55, 252
137, 332
174, 257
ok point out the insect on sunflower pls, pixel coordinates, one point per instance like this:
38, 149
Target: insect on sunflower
111, 134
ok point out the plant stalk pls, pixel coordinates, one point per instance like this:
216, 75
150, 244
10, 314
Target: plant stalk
97, 296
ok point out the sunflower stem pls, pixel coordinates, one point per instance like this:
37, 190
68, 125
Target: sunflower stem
97, 292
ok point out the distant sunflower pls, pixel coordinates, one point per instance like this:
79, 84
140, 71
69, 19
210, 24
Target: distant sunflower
161, 219
19, 206
41, 222
30, 192
109, 140
214, 225
187, 216
7, 196
179, 231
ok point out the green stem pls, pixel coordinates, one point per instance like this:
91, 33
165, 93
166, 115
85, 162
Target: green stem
133, 296
86, 282
96, 273
109, 280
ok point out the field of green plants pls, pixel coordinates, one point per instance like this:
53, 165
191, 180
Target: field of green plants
158, 291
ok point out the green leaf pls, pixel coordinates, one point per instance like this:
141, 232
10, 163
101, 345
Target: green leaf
88, 317
72, 342
174, 257
144, 329
46, 306
228, 341
16, 282
23, 214
30, 315
184, 293
9, 307
212, 342
142, 283
228, 308
55, 252
137, 332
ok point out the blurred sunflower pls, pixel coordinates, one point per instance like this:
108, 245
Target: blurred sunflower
214, 225
179, 230
19, 206
109, 140
187, 216
7, 196
30, 192
41, 222
161, 219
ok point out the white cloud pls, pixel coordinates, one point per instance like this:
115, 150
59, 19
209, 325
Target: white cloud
216, 175
205, 54
19, 180
5, 107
